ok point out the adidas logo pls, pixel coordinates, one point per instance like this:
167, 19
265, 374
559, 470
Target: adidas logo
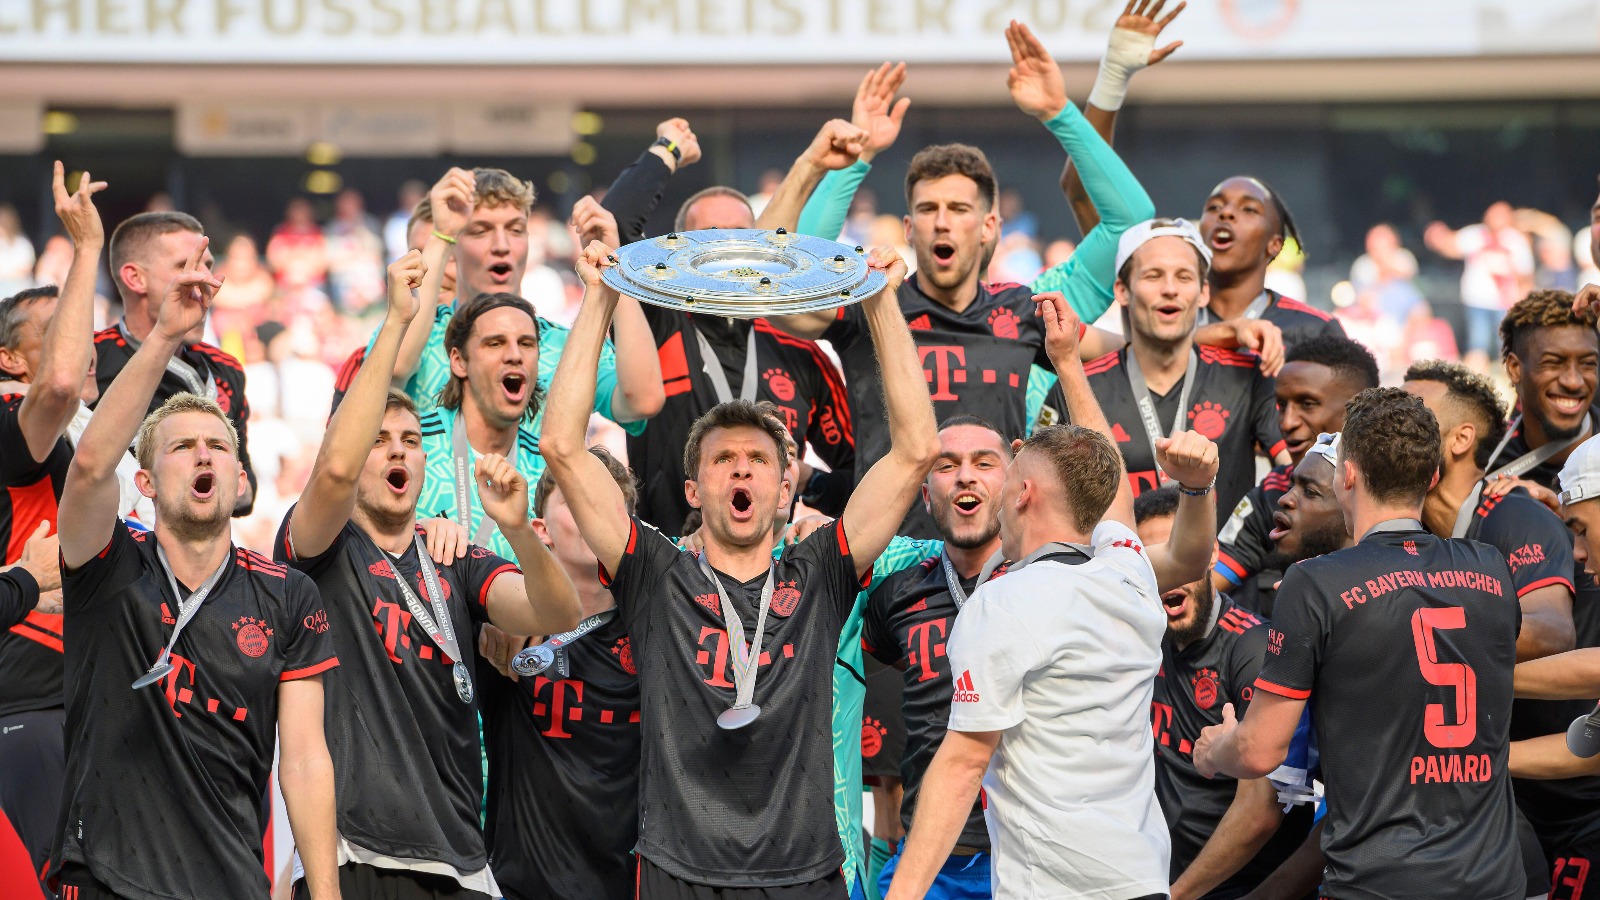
965, 692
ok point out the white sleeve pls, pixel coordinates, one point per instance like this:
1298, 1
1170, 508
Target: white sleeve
1121, 549
990, 655
1471, 239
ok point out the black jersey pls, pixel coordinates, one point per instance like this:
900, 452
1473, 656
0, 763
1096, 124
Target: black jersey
906, 623
751, 807
346, 376
164, 784
1299, 322
883, 725
794, 374
112, 350
1405, 645
1244, 545
1231, 403
564, 773
1565, 811
1547, 473
405, 747
976, 361
1533, 540
30, 650
1190, 690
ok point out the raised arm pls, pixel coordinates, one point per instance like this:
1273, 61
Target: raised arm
876, 112
639, 393
90, 498
596, 502
347, 443
880, 501
544, 600
52, 397
451, 201
1191, 460
837, 145
636, 191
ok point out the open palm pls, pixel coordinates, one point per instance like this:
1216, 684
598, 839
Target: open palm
1035, 80
1139, 16
875, 110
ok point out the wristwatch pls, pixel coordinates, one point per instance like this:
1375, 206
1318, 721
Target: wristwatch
672, 147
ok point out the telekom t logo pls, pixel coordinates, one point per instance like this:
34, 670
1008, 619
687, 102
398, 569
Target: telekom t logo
926, 647
181, 668
391, 620
943, 374
559, 708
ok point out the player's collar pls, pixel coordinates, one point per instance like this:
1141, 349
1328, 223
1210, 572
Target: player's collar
1400, 524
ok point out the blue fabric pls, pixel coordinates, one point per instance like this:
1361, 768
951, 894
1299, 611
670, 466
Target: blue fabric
960, 878
1483, 329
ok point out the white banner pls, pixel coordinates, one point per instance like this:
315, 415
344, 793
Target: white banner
669, 32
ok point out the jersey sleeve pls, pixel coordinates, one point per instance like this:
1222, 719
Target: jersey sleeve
102, 574
482, 567
1296, 638
635, 194
19, 594
433, 366
283, 548
1264, 414
308, 649
828, 551
17, 466
1242, 544
1244, 665
644, 563
825, 211
1117, 545
901, 554
877, 638
991, 653
1535, 543
848, 326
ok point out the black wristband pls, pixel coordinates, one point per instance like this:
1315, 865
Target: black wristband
677, 155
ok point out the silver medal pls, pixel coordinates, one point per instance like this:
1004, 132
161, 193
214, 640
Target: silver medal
156, 673
533, 660
737, 717
463, 682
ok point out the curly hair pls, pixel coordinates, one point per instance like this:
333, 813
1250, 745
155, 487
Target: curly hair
1347, 358
497, 187
1540, 309
1471, 393
1394, 438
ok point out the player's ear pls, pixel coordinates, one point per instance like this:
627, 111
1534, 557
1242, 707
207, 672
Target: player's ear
458, 363
1350, 475
1205, 292
1434, 481
542, 530
244, 484
691, 492
145, 484
1119, 289
785, 492
927, 501
1513, 368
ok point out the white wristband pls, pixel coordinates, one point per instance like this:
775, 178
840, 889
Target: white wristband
1126, 53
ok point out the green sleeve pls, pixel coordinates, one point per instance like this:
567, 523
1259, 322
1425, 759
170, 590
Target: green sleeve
824, 214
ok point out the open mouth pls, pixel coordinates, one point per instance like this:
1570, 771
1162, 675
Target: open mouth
1175, 602
515, 384
205, 484
501, 271
743, 504
1280, 527
944, 251
398, 479
1221, 238
1567, 406
967, 503
1169, 310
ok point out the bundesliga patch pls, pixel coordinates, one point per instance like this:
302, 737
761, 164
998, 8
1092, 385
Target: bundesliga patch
1230, 531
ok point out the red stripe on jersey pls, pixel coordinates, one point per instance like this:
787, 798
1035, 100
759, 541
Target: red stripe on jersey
633, 541
1222, 356
844, 545
308, 671
30, 505
674, 366
1100, 364
251, 561
348, 371
1280, 690
1277, 448
1232, 564
1297, 306
1232, 626
218, 355
110, 334
830, 375
41, 628
1546, 582
483, 593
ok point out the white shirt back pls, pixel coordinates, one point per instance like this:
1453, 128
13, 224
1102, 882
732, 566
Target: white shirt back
1062, 659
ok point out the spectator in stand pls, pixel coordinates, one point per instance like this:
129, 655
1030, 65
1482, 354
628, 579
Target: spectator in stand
1057, 252
355, 254
1583, 253
241, 304
1389, 271
16, 253
396, 230
1498, 271
1286, 272
765, 188
1015, 218
55, 259
297, 252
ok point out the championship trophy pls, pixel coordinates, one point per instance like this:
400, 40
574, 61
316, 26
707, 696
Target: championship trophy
743, 272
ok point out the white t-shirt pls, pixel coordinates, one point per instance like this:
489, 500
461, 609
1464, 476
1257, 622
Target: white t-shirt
1493, 261
1062, 659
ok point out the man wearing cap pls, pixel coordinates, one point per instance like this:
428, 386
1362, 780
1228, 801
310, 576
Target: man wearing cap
1163, 382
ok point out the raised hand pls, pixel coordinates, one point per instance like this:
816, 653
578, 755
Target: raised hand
1062, 329
836, 146
595, 258
405, 276
875, 110
594, 222
451, 199
446, 539
1587, 298
1139, 17
1264, 339
502, 491
888, 261
679, 132
184, 307
76, 210
1189, 458
1035, 80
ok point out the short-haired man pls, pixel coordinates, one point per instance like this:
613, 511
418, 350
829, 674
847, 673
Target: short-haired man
403, 710
480, 219
737, 787
1319, 376
1407, 642
1532, 538
1552, 356
148, 251
186, 657
563, 744
1053, 696
1163, 382
1227, 836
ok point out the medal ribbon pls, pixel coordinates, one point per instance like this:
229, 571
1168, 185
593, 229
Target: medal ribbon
745, 659
186, 608
435, 621
553, 650
719, 379
1147, 405
461, 462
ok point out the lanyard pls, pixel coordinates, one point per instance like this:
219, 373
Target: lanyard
461, 463
196, 381
746, 659
953, 581
1393, 525
1147, 405
186, 610
719, 378
533, 660
1062, 551
1464, 515
1253, 311
435, 616
1534, 458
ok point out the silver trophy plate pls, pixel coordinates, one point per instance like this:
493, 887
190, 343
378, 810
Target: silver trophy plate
743, 272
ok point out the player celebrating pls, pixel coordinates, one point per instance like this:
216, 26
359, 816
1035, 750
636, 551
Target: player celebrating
1407, 642
237, 657
404, 712
760, 760
1552, 356
1163, 382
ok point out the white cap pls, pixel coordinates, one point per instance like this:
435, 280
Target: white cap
1142, 233
1327, 447
1580, 477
